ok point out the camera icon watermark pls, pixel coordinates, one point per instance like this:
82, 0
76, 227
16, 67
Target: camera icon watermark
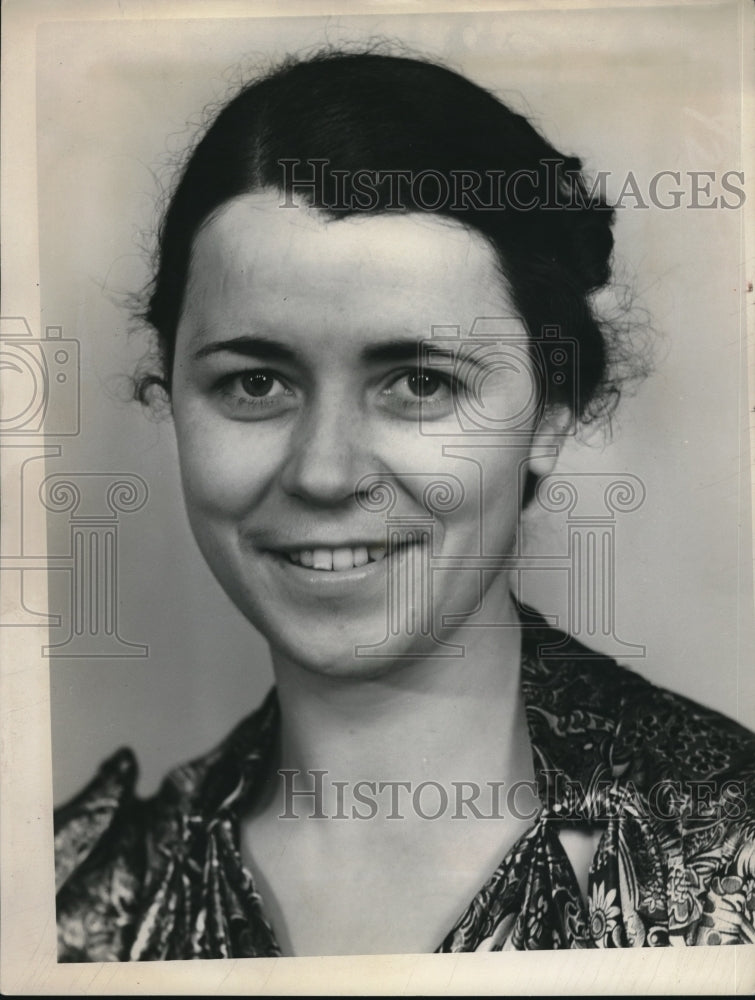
41, 376
546, 364
41, 403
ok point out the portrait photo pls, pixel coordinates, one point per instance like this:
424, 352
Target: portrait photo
377, 565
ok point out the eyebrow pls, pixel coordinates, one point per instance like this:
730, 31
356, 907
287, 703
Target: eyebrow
252, 347
405, 350
388, 352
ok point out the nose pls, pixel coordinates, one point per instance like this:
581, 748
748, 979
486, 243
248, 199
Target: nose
324, 458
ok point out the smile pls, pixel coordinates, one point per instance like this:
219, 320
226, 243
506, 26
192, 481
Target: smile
341, 559
338, 560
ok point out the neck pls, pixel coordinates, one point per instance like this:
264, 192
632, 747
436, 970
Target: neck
436, 719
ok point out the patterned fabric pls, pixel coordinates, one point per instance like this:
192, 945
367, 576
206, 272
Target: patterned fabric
669, 785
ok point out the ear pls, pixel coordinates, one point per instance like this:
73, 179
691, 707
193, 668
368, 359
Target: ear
547, 439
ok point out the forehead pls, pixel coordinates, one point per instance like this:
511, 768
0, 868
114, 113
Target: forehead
258, 264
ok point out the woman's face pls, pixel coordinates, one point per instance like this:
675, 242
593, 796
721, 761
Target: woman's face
296, 376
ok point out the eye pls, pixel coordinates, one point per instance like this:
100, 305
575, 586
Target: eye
423, 384
258, 384
417, 391
255, 394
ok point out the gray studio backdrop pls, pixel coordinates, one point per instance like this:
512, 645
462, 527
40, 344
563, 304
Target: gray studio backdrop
161, 661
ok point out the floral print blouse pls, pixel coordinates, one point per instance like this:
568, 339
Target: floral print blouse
668, 785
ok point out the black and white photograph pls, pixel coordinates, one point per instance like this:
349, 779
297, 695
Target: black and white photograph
377, 564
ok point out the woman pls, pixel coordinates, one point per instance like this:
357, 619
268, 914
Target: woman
362, 251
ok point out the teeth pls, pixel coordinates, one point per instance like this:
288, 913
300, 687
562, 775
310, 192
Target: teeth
361, 556
322, 559
338, 559
343, 559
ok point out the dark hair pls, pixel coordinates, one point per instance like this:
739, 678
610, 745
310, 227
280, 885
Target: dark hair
342, 114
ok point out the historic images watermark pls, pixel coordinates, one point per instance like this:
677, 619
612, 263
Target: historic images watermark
313, 182
316, 794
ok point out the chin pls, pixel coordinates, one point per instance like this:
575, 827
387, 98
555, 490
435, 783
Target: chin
336, 657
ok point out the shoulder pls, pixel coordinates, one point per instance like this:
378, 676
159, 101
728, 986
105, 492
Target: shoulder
678, 738
116, 855
669, 781
113, 850
692, 774
97, 861
84, 822
579, 695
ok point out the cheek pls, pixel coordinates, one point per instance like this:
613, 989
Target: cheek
225, 467
488, 475
490, 478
